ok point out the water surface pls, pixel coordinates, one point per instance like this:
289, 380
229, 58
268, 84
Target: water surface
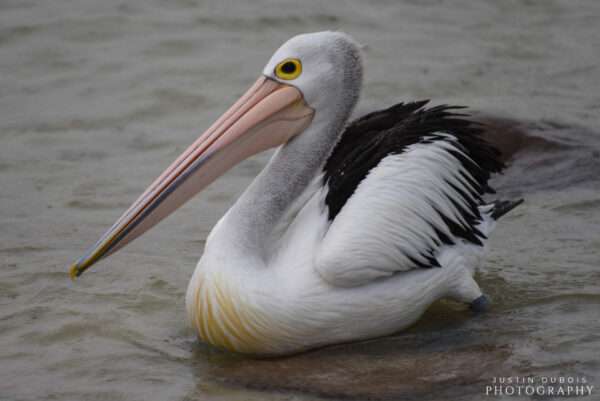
96, 98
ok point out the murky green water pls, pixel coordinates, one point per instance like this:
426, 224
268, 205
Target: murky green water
96, 98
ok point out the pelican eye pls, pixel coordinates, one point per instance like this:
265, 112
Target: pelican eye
288, 69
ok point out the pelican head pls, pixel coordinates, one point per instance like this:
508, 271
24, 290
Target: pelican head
324, 66
308, 75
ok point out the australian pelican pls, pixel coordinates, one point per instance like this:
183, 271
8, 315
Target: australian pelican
352, 229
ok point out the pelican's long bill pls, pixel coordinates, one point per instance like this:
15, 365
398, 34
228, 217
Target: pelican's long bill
267, 115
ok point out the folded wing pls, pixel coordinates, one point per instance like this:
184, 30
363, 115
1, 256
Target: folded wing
402, 183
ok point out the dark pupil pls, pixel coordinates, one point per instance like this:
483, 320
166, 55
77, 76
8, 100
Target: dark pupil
288, 68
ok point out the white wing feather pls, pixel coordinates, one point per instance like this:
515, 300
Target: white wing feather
389, 224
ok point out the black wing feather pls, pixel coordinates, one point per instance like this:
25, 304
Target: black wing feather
369, 139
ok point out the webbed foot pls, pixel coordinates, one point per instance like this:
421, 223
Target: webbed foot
480, 304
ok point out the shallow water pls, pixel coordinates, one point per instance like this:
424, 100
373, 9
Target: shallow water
96, 98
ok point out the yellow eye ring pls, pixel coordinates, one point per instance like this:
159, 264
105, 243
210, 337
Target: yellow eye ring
288, 69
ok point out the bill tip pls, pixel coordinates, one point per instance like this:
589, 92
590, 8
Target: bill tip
74, 271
